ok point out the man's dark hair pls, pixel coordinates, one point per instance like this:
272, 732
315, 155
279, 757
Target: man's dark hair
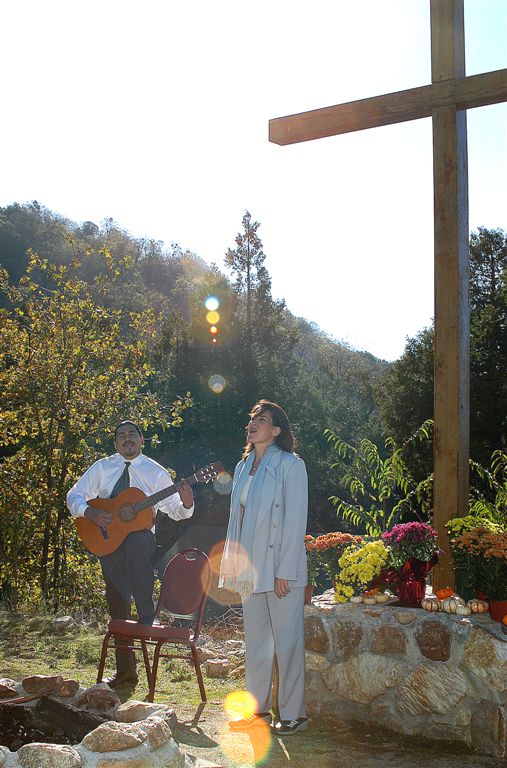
132, 424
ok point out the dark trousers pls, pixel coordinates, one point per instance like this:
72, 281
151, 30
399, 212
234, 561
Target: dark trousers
128, 573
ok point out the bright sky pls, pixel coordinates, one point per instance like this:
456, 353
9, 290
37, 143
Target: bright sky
156, 114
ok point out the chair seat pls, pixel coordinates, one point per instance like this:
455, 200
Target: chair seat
129, 628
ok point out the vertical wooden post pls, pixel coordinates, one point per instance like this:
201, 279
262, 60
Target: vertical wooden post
452, 327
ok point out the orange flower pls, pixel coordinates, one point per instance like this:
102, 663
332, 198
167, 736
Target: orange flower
482, 553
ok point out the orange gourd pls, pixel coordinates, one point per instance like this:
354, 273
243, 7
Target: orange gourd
444, 592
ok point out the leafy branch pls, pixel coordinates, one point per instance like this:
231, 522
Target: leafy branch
380, 490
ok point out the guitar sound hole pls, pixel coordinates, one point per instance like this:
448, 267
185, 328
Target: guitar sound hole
126, 513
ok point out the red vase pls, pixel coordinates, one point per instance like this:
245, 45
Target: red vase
497, 609
411, 592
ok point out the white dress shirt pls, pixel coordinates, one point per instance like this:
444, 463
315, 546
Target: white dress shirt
99, 480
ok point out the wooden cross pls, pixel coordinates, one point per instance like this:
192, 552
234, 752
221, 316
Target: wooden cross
445, 100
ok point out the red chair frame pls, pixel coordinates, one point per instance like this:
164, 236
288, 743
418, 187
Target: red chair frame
183, 593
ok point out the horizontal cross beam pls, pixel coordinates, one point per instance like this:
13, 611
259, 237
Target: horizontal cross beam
412, 104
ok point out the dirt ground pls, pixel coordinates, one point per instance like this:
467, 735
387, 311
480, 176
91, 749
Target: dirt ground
203, 733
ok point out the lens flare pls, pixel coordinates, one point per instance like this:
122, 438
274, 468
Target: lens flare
247, 748
238, 745
223, 483
211, 303
225, 596
216, 383
239, 705
213, 329
213, 318
215, 556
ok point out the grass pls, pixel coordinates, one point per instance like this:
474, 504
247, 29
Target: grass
30, 645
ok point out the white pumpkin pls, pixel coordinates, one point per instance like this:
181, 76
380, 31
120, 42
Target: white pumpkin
478, 606
450, 604
369, 599
382, 597
463, 610
356, 599
431, 603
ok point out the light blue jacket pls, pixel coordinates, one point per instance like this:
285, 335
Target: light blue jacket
279, 497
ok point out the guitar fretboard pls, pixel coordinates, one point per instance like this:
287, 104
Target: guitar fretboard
150, 501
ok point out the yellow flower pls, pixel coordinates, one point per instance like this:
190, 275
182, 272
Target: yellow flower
358, 566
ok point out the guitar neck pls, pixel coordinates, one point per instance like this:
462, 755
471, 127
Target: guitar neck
150, 501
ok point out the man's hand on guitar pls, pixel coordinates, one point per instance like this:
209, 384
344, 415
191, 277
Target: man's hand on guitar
97, 516
186, 493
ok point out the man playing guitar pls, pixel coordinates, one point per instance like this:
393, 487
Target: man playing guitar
127, 570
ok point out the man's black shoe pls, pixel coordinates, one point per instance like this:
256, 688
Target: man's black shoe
125, 678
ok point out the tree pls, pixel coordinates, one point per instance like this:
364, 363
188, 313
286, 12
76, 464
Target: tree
31, 226
405, 395
70, 368
246, 262
488, 349
266, 333
488, 266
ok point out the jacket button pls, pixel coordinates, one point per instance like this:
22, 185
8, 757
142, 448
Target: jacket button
271, 546
275, 525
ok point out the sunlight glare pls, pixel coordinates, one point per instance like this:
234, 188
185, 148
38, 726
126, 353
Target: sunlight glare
211, 303
213, 318
239, 705
224, 596
223, 483
247, 748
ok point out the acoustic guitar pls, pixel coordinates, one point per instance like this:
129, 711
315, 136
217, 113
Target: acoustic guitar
131, 511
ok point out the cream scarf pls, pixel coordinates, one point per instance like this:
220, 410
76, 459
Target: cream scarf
236, 570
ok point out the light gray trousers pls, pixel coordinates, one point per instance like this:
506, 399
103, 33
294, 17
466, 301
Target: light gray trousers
275, 626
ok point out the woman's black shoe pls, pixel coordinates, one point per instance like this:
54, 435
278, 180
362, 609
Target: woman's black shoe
288, 727
259, 718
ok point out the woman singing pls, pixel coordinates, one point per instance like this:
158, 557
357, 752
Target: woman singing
264, 559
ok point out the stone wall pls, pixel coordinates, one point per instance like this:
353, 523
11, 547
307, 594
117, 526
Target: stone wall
418, 673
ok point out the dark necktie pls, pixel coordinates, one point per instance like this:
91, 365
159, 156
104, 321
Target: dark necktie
122, 482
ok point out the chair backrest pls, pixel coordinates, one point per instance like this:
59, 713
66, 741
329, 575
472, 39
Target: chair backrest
185, 583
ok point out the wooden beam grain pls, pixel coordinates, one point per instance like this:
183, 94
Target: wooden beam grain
401, 106
452, 327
